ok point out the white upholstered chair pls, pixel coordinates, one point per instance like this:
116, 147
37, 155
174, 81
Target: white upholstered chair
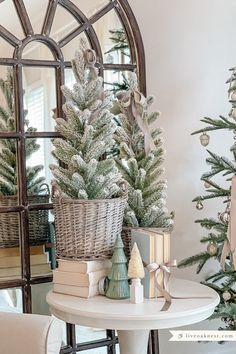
29, 334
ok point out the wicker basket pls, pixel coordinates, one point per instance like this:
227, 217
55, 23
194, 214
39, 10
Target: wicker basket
10, 222
126, 238
87, 229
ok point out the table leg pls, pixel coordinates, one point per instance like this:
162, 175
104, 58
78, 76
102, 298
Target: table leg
71, 337
133, 342
153, 344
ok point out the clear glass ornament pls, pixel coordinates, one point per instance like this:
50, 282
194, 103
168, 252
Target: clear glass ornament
199, 205
224, 217
212, 248
204, 139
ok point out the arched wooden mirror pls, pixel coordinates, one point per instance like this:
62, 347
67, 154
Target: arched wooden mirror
37, 41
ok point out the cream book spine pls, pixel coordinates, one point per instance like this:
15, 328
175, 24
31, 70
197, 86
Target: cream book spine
15, 261
78, 279
79, 291
83, 267
36, 269
15, 251
154, 247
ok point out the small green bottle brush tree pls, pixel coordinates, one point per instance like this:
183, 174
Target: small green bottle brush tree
118, 277
8, 153
87, 136
223, 280
140, 160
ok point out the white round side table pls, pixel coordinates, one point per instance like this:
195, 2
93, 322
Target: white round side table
134, 321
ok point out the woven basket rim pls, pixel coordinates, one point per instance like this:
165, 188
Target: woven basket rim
88, 201
160, 229
16, 196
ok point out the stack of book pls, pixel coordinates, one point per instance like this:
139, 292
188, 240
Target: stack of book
154, 245
79, 278
10, 262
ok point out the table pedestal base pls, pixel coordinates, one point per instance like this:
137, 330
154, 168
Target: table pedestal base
133, 342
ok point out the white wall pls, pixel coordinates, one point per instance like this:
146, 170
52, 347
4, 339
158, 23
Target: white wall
189, 45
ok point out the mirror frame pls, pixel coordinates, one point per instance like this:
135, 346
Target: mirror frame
85, 24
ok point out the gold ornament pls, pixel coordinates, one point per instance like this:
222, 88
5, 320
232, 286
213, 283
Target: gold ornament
226, 295
204, 139
207, 185
199, 205
212, 248
233, 96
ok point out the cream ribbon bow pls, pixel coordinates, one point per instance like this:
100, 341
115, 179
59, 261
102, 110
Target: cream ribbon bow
230, 243
154, 267
133, 102
165, 267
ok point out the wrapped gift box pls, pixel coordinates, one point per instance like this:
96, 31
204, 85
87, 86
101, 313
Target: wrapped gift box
154, 246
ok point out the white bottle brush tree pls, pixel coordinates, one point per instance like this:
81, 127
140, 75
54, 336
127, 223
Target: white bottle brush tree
216, 232
87, 136
140, 160
136, 272
8, 161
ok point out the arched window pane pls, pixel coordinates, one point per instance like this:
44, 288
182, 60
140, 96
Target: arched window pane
113, 39
37, 51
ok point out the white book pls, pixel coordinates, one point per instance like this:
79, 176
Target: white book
78, 279
154, 247
83, 267
15, 261
36, 269
80, 291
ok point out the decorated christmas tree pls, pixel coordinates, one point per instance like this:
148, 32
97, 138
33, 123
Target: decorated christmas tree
220, 231
141, 156
87, 136
118, 278
8, 165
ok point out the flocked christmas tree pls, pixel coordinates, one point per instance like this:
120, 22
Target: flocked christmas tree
141, 156
87, 136
118, 278
8, 166
221, 237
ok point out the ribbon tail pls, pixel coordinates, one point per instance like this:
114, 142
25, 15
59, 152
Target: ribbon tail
166, 306
164, 292
166, 280
146, 144
148, 141
224, 254
234, 259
